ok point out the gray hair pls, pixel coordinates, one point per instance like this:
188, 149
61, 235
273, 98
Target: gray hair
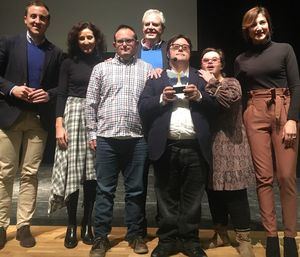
157, 12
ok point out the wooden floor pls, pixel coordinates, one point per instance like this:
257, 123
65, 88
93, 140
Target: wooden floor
50, 244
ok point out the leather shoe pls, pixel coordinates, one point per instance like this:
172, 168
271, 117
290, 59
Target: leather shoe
272, 247
138, 245
25, 237
164, 250
196, 251
3, 239
87, 235
71, 237
290, 247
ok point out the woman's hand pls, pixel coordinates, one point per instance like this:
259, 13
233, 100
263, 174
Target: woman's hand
289, 134
61, 137
206, 75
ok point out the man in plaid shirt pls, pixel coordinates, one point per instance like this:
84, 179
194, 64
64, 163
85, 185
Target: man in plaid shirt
115, 133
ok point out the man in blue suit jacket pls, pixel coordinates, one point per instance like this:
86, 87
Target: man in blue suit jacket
29, 67
174, 110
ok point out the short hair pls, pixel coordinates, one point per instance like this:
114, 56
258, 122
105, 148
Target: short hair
124, 26
174, 38
37, 3
218, 51
157, 12
250, 17
73, 47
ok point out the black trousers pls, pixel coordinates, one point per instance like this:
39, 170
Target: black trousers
180, 179
234, 203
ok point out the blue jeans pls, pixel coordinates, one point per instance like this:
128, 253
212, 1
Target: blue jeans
128, 156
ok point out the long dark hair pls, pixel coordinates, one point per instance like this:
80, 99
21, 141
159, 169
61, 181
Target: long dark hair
73, 47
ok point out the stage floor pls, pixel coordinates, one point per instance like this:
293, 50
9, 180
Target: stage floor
50, 241
59, 218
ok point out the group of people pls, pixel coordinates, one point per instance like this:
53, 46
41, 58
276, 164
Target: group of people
200, 130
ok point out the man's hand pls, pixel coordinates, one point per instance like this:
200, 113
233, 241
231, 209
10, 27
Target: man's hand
192, 93
22, 92
168, 94
93, 144
38, 96
155, 73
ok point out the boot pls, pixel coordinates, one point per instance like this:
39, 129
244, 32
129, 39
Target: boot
245, 247
89, 195
220, 237
290, 247
71, 235
272, 247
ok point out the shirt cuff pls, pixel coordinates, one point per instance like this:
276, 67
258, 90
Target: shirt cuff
199, 98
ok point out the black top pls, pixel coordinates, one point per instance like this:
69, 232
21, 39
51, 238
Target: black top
272, 65
74, 78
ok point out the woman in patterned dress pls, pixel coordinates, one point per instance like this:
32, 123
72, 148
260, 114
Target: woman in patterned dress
232, 164
74, 160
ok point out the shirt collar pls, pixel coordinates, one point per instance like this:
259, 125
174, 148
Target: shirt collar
127, 62
31, 41
155, 47
182, 73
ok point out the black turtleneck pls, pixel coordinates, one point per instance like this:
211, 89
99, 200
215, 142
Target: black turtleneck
271, 65
74, 79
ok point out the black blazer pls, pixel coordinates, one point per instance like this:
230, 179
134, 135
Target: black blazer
164, 53
13, 71
156, 118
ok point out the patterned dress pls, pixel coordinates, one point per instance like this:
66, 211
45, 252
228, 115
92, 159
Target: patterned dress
232, 162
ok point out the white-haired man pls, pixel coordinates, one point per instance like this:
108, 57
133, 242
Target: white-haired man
152, 48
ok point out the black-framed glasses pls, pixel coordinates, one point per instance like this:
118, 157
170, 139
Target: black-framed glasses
127, 41
184, 47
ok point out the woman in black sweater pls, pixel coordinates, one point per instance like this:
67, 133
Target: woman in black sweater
74, 160
268, 74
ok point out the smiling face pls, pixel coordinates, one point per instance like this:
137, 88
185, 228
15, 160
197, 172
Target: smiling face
180, 50
86, 41
152, 27
125, 43
211, 62
259, 31
37, 21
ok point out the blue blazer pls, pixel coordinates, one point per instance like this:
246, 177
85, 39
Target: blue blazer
156, 118
13, 71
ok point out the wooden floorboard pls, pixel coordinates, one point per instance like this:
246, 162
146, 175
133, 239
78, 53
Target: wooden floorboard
50, 244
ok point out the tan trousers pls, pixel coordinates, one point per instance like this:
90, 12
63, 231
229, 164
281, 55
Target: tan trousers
264, 118
21, 148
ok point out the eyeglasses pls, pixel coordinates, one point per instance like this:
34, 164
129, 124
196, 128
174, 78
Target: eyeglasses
127, 41
213, 60
184, 47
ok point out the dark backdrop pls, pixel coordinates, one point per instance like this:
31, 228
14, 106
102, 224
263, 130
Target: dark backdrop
219, 25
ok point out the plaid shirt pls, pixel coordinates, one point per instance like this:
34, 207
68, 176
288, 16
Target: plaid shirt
112, 96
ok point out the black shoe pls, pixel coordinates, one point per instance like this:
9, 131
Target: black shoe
290, 247
164, 250
3, 239
100, 246
71, 237
87, 234
25, 237
195, 251
138, 245
272, 247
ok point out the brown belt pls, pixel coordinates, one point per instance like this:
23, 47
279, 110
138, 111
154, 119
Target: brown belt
277, 96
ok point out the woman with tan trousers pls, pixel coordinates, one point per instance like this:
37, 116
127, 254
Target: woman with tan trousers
268, 73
